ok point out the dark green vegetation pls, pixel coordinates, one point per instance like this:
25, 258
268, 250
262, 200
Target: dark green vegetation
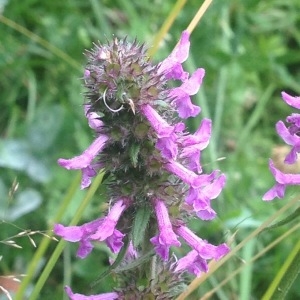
250, 51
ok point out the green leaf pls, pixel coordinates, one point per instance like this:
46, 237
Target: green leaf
113, 266
285, 277
286, 220
140, 223
137, 262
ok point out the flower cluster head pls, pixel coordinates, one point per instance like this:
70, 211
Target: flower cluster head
290, 135
153, 162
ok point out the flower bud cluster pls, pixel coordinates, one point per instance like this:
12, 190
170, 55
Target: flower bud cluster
153, 162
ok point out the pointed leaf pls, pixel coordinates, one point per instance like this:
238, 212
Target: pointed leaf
286, 220
140, 223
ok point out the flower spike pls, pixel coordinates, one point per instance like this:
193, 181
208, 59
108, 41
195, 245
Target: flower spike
154, 177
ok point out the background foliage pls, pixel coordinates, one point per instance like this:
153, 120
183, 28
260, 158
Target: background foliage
250, 51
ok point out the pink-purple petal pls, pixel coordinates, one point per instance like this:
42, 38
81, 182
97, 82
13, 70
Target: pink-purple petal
115, 241
204, 249
193, 263
183, 173
104, 296
290, 100
285, 179
85, 248
171, 67
183, 103
109, 223
277, 190
284, 133
192, 85
166, 236
70, 233
159, 125
85, 159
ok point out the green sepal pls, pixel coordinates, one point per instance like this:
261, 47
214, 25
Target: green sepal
134, 151
140, 223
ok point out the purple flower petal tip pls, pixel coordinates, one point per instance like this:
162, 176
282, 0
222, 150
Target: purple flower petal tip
104, 296
290, 100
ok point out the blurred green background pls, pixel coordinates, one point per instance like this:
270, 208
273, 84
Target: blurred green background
250, 51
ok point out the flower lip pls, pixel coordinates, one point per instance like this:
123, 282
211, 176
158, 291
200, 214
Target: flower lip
290, 100
193, 263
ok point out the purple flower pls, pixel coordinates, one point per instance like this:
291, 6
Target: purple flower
102, 229
90, 172
171, 67
166, 134
166, 237
79, 234
114, 241
105, 296
294, 119
193, 144
181, 95
192, 263
168, 145
107, 228
290, 138
204, 249
290, 135
282, 180
85, 159
200, 197
140, 139
158, 124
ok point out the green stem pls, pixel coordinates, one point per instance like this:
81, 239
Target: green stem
46, 240
285, 277
166, 26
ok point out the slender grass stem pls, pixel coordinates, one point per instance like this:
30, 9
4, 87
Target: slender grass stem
56, 51
46, 240
288, 233
203, 8
166, 26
